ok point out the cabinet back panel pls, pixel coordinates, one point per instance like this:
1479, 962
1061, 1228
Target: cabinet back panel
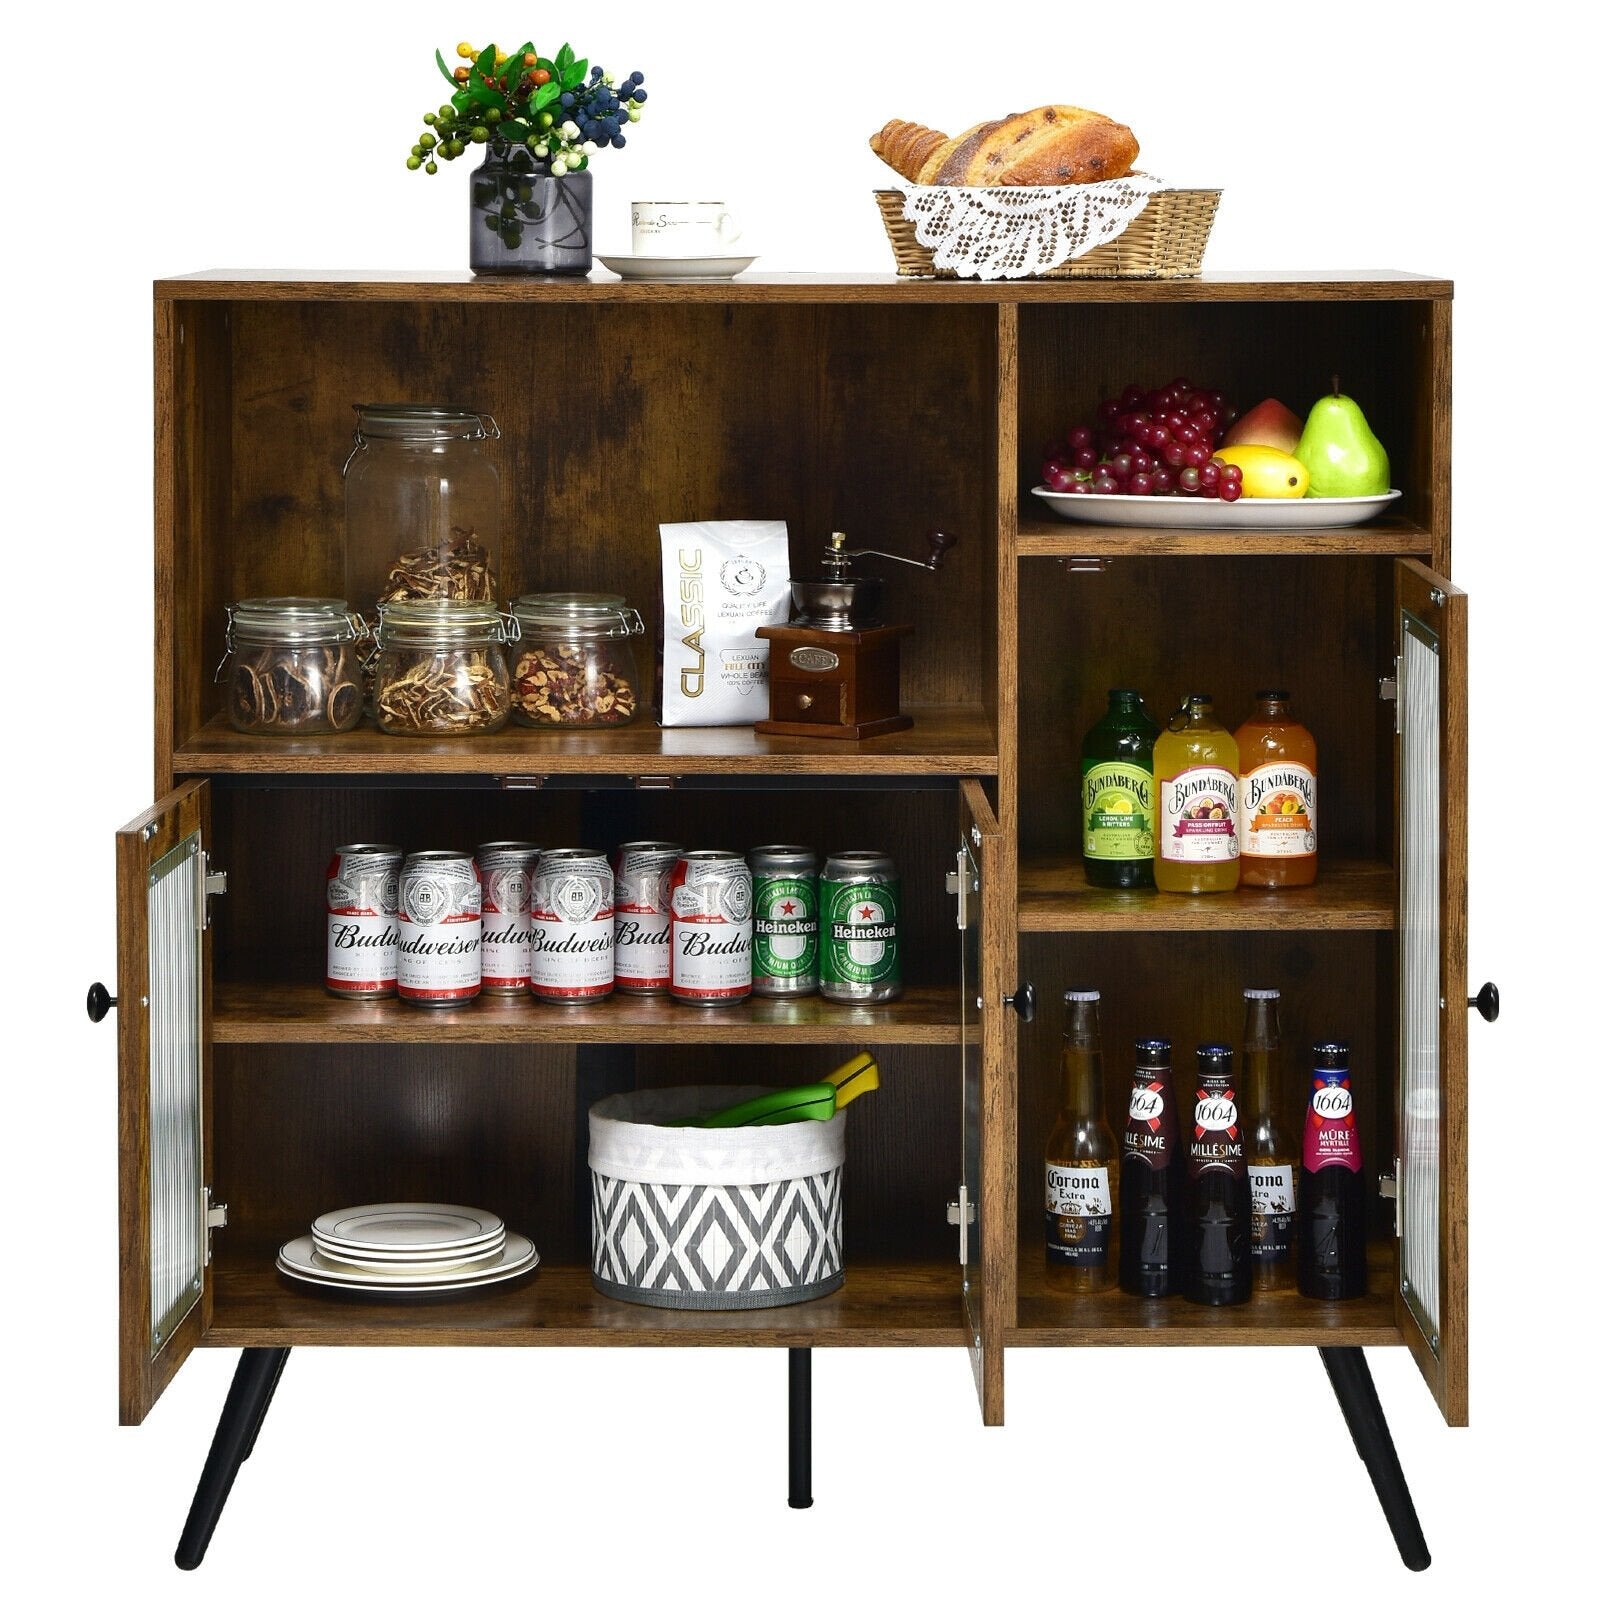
1189, 989
853, 417
1073, 357
299, 1131
276, 844
1315, 625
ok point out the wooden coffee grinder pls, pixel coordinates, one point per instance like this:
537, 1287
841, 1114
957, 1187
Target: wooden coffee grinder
834, 669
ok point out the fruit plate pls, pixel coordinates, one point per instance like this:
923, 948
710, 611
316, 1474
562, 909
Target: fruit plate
1193, 512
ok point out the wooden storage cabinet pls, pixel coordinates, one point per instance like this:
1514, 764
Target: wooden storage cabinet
885, 408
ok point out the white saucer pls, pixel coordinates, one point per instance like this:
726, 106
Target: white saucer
299, 1259
407, 1228
677, 269
406, 1265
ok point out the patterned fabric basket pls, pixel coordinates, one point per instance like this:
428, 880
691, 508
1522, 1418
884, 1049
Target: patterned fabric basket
713, 1219
1166, 240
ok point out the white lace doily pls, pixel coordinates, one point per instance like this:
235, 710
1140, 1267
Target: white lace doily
1022, 231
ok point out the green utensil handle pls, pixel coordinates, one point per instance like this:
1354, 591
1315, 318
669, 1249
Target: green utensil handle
811, 1102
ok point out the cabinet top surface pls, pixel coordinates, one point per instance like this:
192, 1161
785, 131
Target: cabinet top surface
288, 283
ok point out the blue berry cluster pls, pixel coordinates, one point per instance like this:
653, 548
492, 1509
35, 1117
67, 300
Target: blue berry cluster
601, 111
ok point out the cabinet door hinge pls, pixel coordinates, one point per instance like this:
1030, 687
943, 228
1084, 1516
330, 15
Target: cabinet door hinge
1389, 1189
962, 882
212, 882
216, 1217
1389, 689
961, 1213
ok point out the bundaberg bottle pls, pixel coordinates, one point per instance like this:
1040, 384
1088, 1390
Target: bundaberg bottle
1119, 842
1271, 1154
1080, 1161
1216, 1259
1152, 1174
1333, 1214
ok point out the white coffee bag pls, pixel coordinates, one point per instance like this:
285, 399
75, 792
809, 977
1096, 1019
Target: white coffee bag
720, 581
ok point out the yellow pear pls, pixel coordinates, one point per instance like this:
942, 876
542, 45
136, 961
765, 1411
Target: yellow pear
1265, 473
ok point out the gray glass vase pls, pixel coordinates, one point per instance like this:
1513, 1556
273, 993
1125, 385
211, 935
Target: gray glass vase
525, 220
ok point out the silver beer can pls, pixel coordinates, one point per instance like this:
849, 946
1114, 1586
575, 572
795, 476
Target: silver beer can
573, 912
441, 929
505, 870
784, 880
363, 929
643, 937
711, 928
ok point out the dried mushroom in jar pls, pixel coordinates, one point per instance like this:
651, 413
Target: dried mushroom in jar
573, 684
447, 691
459, 569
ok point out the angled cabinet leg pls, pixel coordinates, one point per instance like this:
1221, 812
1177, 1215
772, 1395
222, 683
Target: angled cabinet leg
1358, 1399
255, 1381
800, 1429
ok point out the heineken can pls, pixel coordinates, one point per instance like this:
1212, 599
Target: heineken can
785, 955
860, 927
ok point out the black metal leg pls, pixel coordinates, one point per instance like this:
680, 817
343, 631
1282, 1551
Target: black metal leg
800, 1428
1358, 1399
254, 1383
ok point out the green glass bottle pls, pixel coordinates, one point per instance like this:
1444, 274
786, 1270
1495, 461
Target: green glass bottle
1119, 844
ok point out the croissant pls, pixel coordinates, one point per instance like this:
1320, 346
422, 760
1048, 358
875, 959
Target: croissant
1049, 145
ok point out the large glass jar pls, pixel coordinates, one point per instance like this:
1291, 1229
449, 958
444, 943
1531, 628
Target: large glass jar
421, 507
440, 668
574, 665
293, 666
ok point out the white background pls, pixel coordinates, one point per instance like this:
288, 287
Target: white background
159, 139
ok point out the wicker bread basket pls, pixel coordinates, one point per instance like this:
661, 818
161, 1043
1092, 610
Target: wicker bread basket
1166, 240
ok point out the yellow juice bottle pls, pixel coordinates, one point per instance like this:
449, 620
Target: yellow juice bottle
1197, 785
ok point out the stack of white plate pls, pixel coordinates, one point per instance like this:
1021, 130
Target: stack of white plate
407, 1248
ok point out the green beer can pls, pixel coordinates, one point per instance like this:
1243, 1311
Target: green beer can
785, 953
860, 927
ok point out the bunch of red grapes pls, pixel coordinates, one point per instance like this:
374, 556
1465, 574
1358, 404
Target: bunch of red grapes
1160, 442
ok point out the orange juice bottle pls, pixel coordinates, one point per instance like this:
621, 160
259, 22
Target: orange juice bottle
1197, 783
1277, 797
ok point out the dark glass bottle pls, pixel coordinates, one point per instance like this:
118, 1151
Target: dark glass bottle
1119, 842
1216, 1264
1270, 1152
1333, 1204
1152, 1176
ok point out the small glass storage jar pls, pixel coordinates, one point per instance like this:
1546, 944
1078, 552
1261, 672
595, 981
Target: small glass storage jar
439, 667
573, 664
421, 507
294, 666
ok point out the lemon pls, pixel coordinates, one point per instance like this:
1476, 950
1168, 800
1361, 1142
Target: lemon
1267, 474
1122, 806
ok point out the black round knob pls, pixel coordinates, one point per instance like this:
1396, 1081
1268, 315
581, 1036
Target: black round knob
938, 544
101, 1000
1487, 1000
1024, 1002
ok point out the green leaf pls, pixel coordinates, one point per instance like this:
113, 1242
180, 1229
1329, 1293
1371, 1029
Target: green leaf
515, 130
449, 76
573, 76
545, 94
548, 65
565, 56
478, 87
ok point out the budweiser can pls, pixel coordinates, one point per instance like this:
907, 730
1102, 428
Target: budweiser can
643, 940
506, 871
860, 917
785, 884
572, 918
363, 931
441, 929
711, 930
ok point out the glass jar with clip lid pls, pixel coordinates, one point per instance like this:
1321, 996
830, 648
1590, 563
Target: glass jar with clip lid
574, 661
439, 668
293, 666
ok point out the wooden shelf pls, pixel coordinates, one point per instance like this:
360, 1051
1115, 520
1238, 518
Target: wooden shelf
947, 741
304, 1013
880, 1304
1384, 536
1283, 1317
1054, 898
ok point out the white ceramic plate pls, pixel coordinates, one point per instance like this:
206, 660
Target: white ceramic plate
400, 1266
677, 269
1179, 511
300, 1259
454, 1252
407, 1227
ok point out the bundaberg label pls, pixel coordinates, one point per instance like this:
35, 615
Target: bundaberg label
1116, 812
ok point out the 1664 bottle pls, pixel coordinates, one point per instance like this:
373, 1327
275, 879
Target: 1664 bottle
1152, 1181
1080, 1163
1216, 1268
1333, 1215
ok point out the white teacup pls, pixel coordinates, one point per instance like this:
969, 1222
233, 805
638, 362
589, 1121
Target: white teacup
682, 228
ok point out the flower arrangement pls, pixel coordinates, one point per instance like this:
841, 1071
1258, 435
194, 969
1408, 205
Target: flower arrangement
562, 110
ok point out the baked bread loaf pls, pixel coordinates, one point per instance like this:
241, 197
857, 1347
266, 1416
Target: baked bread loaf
1049, 145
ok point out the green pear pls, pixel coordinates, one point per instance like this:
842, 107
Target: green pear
1340, 453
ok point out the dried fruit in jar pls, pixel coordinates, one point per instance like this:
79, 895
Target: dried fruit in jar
295, 689
564, 684
458, 569
446, 691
